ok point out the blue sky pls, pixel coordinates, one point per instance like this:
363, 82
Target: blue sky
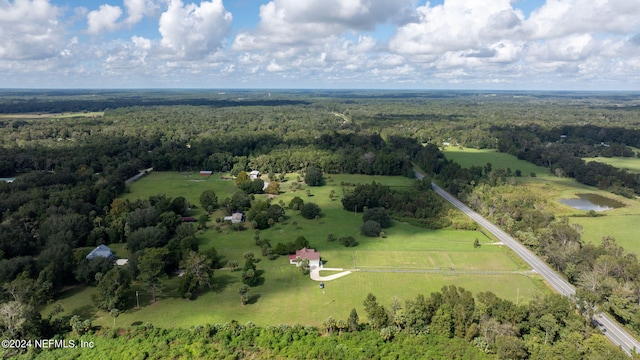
404, 44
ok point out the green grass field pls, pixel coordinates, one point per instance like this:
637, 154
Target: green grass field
286, 296
468, 157
632, 164
619, 223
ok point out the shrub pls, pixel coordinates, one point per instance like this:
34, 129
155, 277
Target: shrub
310, 210
371, 228
348, 241
296, 203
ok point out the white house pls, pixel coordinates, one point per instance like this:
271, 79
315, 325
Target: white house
304, 253
255, 174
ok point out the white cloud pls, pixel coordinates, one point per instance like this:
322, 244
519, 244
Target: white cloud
103, 19
191, 31
274, 67
137, 9
557, 18
458, 25
301, 23
30, 29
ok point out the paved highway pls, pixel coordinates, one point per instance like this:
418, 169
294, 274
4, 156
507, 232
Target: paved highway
611, 329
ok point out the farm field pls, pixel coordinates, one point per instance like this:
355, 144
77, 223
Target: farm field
408, 262
619, 223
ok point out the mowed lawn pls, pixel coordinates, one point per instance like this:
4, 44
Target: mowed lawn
286, 296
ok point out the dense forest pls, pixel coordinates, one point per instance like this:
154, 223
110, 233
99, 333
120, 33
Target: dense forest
71, 169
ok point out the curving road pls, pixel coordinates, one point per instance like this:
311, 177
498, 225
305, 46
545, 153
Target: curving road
611, 329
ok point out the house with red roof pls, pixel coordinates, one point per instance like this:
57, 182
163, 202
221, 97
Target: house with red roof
304, 253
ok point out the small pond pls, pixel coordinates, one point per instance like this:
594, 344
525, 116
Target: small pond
592, 202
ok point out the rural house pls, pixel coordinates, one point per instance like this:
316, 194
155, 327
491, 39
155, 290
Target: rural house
100, 251
304, 253
255, 174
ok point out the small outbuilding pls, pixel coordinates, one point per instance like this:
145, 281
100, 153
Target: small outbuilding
100, 251
235, 218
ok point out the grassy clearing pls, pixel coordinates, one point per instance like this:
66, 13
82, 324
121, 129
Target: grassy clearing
286, 296
289, 297
468, 157
632, 164
619, 223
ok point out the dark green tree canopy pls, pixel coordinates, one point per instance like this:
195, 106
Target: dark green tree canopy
313, 176
310, 210
378, 214
209, 200
371, 228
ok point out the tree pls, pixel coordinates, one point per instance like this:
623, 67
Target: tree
273, 188
375, 312
180, 206
13, 316
209, 200
275, 212
239, 201
114, 314
151, 268
296, 203
353, 323
26, 290
378, 214
348, 241
370, 228
147, 237
198, 266
313, 176
242, 180
232, 265
243, 291
112, 288
87, 269
310, 210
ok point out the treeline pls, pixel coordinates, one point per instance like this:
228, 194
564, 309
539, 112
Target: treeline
607, 276
450, 324
561, 150
35, 105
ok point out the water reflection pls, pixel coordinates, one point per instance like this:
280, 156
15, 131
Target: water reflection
592, 202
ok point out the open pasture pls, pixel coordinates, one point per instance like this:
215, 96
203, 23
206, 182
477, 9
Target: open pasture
632, 164
287, 296
468, 157
619, 223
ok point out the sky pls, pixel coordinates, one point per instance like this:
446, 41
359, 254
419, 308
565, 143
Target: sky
328, 44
